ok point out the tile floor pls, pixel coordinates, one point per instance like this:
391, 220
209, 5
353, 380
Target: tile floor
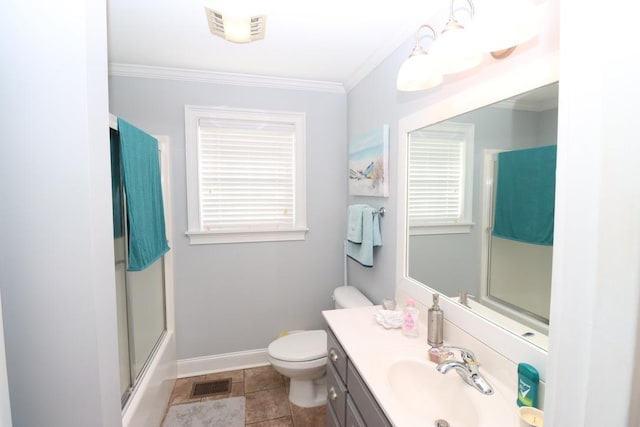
266, 394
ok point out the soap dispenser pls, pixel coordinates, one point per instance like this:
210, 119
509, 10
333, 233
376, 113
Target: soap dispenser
435, 323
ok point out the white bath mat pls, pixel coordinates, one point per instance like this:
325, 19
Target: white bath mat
222, 412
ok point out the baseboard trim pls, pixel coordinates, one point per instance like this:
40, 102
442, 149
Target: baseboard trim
222, 362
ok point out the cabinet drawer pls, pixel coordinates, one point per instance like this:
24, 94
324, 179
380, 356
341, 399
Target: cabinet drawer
336, 355
336, 394
353, 416
369, 409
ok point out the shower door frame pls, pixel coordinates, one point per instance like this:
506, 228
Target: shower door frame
144, 402
154, 384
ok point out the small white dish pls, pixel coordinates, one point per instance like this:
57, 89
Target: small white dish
531, 417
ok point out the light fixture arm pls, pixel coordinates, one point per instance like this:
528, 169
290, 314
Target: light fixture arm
418, 46
452, 19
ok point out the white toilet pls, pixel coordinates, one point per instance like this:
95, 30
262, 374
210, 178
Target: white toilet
302, 356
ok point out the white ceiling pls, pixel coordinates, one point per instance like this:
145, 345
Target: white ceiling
331, 40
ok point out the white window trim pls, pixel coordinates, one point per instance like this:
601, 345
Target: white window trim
464, 226
197, 236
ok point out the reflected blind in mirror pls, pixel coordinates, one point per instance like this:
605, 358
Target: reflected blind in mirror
437, 162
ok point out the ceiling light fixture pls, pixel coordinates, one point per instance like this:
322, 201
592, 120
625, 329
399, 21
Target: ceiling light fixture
419, 71
498, 29
236, 28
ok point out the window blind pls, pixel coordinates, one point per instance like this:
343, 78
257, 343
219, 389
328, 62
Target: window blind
436, 177
246, 175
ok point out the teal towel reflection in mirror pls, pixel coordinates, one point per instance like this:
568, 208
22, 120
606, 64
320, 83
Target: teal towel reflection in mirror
525, 195
143, 189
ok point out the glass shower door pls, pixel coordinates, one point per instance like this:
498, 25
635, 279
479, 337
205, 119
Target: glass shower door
141, 306
146, 313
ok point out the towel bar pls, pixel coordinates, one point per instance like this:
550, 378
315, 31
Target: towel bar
380, 211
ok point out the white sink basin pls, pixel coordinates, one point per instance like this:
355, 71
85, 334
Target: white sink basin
430, 395
427, 396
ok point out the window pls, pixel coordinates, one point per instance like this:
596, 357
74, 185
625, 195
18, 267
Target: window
245, 175
441, 178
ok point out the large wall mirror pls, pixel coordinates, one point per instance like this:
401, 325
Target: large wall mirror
487, 179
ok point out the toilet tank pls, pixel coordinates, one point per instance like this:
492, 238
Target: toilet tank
349, 297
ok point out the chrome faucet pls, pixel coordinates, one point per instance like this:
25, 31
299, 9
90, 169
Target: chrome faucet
467, 369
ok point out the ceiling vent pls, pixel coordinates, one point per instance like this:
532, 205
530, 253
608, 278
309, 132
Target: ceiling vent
238, 29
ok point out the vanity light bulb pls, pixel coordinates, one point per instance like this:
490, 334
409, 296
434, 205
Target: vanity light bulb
418, 72
456, 51
502, 24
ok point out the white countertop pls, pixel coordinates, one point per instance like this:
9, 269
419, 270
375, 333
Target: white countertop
372, 349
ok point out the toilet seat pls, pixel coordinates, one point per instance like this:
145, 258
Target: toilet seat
299, 347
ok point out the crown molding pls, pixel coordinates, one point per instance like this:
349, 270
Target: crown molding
217, 77
537, 100
382, 53
534, 106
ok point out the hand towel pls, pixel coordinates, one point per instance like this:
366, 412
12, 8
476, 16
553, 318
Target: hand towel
142, 185
354, 223
361, 248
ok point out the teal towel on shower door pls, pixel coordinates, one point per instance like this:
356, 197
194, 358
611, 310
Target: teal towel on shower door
116, 196
525, 195
143, 189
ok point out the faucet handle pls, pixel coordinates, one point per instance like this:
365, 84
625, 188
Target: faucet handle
467, 355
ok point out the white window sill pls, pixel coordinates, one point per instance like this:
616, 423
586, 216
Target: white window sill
420, 230
214, 238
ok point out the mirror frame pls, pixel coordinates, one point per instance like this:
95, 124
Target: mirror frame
519, 79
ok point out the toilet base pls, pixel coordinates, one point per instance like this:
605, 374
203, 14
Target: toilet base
308, 393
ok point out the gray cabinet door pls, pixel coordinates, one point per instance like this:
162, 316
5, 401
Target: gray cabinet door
367, 406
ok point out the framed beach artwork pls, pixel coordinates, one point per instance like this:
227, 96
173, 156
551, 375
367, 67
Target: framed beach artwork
369, 163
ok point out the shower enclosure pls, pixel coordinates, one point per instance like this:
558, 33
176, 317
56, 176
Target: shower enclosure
145, 331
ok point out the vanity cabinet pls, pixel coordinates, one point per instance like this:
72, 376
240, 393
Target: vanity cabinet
349, 402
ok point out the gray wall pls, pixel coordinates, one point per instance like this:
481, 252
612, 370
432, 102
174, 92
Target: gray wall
57, 280
237, 297
548, 127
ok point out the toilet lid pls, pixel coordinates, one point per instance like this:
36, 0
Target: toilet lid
300, 347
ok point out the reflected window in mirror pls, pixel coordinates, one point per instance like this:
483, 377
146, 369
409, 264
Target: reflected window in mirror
440, 181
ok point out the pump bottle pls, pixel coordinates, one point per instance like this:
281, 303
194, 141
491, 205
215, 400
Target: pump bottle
435, 323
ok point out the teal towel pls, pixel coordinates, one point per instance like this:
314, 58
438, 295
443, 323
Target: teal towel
145, 211
116, 191
525, 195
360, 248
